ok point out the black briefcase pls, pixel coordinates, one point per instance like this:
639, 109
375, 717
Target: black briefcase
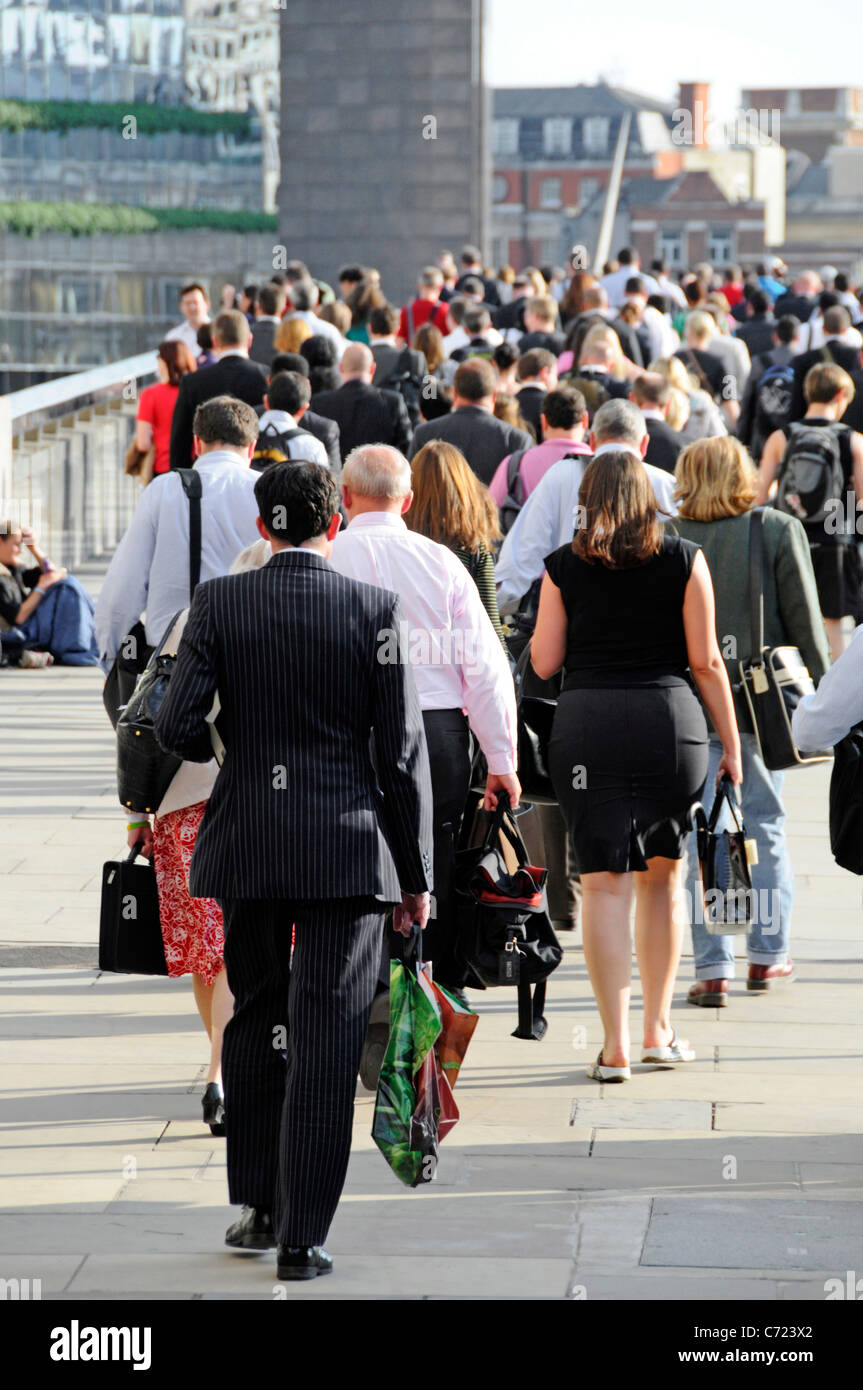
130, 932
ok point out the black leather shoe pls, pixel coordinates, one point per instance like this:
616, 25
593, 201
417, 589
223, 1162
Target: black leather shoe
303, 1261
253, 1231
213, 1103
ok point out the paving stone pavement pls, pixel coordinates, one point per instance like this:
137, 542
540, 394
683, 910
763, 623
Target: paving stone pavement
738, 1176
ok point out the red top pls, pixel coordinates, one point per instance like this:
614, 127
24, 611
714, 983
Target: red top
423, 310
733, 293
156, 406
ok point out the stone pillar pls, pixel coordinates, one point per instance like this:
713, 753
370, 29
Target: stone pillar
384, 134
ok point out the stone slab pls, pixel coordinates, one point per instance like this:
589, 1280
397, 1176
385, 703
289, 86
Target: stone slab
803, 1234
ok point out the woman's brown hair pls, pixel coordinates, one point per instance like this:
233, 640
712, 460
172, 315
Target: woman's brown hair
429, 341
450, 504
617, 524
715, 478
177, 358
291, 334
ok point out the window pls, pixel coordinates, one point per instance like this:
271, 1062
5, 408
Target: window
557, 136
595, 134
550, 193
499, 188
670, 246
720, 246
587, 189
504, 136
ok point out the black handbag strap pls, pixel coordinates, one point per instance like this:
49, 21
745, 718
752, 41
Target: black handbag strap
191, 480
503, 823
756, 583
725, 793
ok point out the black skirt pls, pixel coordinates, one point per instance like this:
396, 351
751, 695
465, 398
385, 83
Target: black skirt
627, 764
837, 578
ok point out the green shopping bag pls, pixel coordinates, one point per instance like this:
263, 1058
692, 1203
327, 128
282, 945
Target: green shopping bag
414, 1106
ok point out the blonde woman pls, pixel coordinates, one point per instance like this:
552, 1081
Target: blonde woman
704, 419
716, 489
291, 334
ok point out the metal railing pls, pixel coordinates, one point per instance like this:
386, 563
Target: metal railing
62, 452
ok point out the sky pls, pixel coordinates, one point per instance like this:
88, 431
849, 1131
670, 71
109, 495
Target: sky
764, 43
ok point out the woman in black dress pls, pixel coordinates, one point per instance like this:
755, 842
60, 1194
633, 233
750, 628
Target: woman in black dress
627, 611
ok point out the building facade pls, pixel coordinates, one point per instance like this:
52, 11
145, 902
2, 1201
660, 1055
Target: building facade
384, 127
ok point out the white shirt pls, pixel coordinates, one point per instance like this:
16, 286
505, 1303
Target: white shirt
547, 521
185, 333
672, 291
460, 339
455, 654
150, 568
305, 446
823, 718
320, 327
614, 284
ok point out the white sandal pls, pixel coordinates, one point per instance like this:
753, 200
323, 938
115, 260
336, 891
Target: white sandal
599, 1072
669, 1054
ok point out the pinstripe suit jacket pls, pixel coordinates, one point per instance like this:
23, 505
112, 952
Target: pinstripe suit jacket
298, 810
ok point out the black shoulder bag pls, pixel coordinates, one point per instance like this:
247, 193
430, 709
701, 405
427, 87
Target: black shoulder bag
505, 933
535, 714
773, 679
724, 860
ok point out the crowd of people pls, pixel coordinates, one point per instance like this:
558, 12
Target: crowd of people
396, 500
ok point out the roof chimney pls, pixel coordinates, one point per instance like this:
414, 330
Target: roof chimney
695, 98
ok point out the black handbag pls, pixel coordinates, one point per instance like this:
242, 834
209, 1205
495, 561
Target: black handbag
535, 714
846, 802
130, 933
724, 859
134, 651
774, 679
505, 936
144, 770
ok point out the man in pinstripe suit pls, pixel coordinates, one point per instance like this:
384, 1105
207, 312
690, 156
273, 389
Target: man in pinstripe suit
300, 831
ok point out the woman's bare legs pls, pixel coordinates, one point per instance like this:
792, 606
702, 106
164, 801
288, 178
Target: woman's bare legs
658, 941
605, 909
835, 637
215, 1005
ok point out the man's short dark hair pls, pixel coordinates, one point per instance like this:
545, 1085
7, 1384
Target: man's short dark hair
289, 391
383, 320
190, 289
650, 391
470, 255
251, 292
564, 408
476, 319
625, 255
836, 320
225, 420
320, 351
297, 270
353, 273
271, 298
296, 501
760, 302
289, 362
504, 355
475, 379
473, 285
786, 328
231, 329
828, 299
532, 363
635, 285
841, 282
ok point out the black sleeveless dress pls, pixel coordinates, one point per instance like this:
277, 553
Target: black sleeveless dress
628, 752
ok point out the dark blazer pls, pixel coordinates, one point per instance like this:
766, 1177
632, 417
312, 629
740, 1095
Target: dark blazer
843, 356
232, 376
853, 416
665, 445
483, 439
757, 333
263, 342
531, 402
802, 306
389, 359
298, 810
365, 415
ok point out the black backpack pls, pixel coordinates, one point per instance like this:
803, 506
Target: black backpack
811, 473
773, 395
406, 384
272, 447
514, 500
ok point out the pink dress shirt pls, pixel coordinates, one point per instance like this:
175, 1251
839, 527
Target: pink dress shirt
534, 465
455, 654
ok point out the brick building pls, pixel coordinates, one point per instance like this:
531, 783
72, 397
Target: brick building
811, 119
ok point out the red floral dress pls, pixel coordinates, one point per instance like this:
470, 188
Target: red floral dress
192, 928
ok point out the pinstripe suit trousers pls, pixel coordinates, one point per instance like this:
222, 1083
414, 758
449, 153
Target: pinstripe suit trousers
289, 1112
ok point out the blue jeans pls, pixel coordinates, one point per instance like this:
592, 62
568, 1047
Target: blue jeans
772, 877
